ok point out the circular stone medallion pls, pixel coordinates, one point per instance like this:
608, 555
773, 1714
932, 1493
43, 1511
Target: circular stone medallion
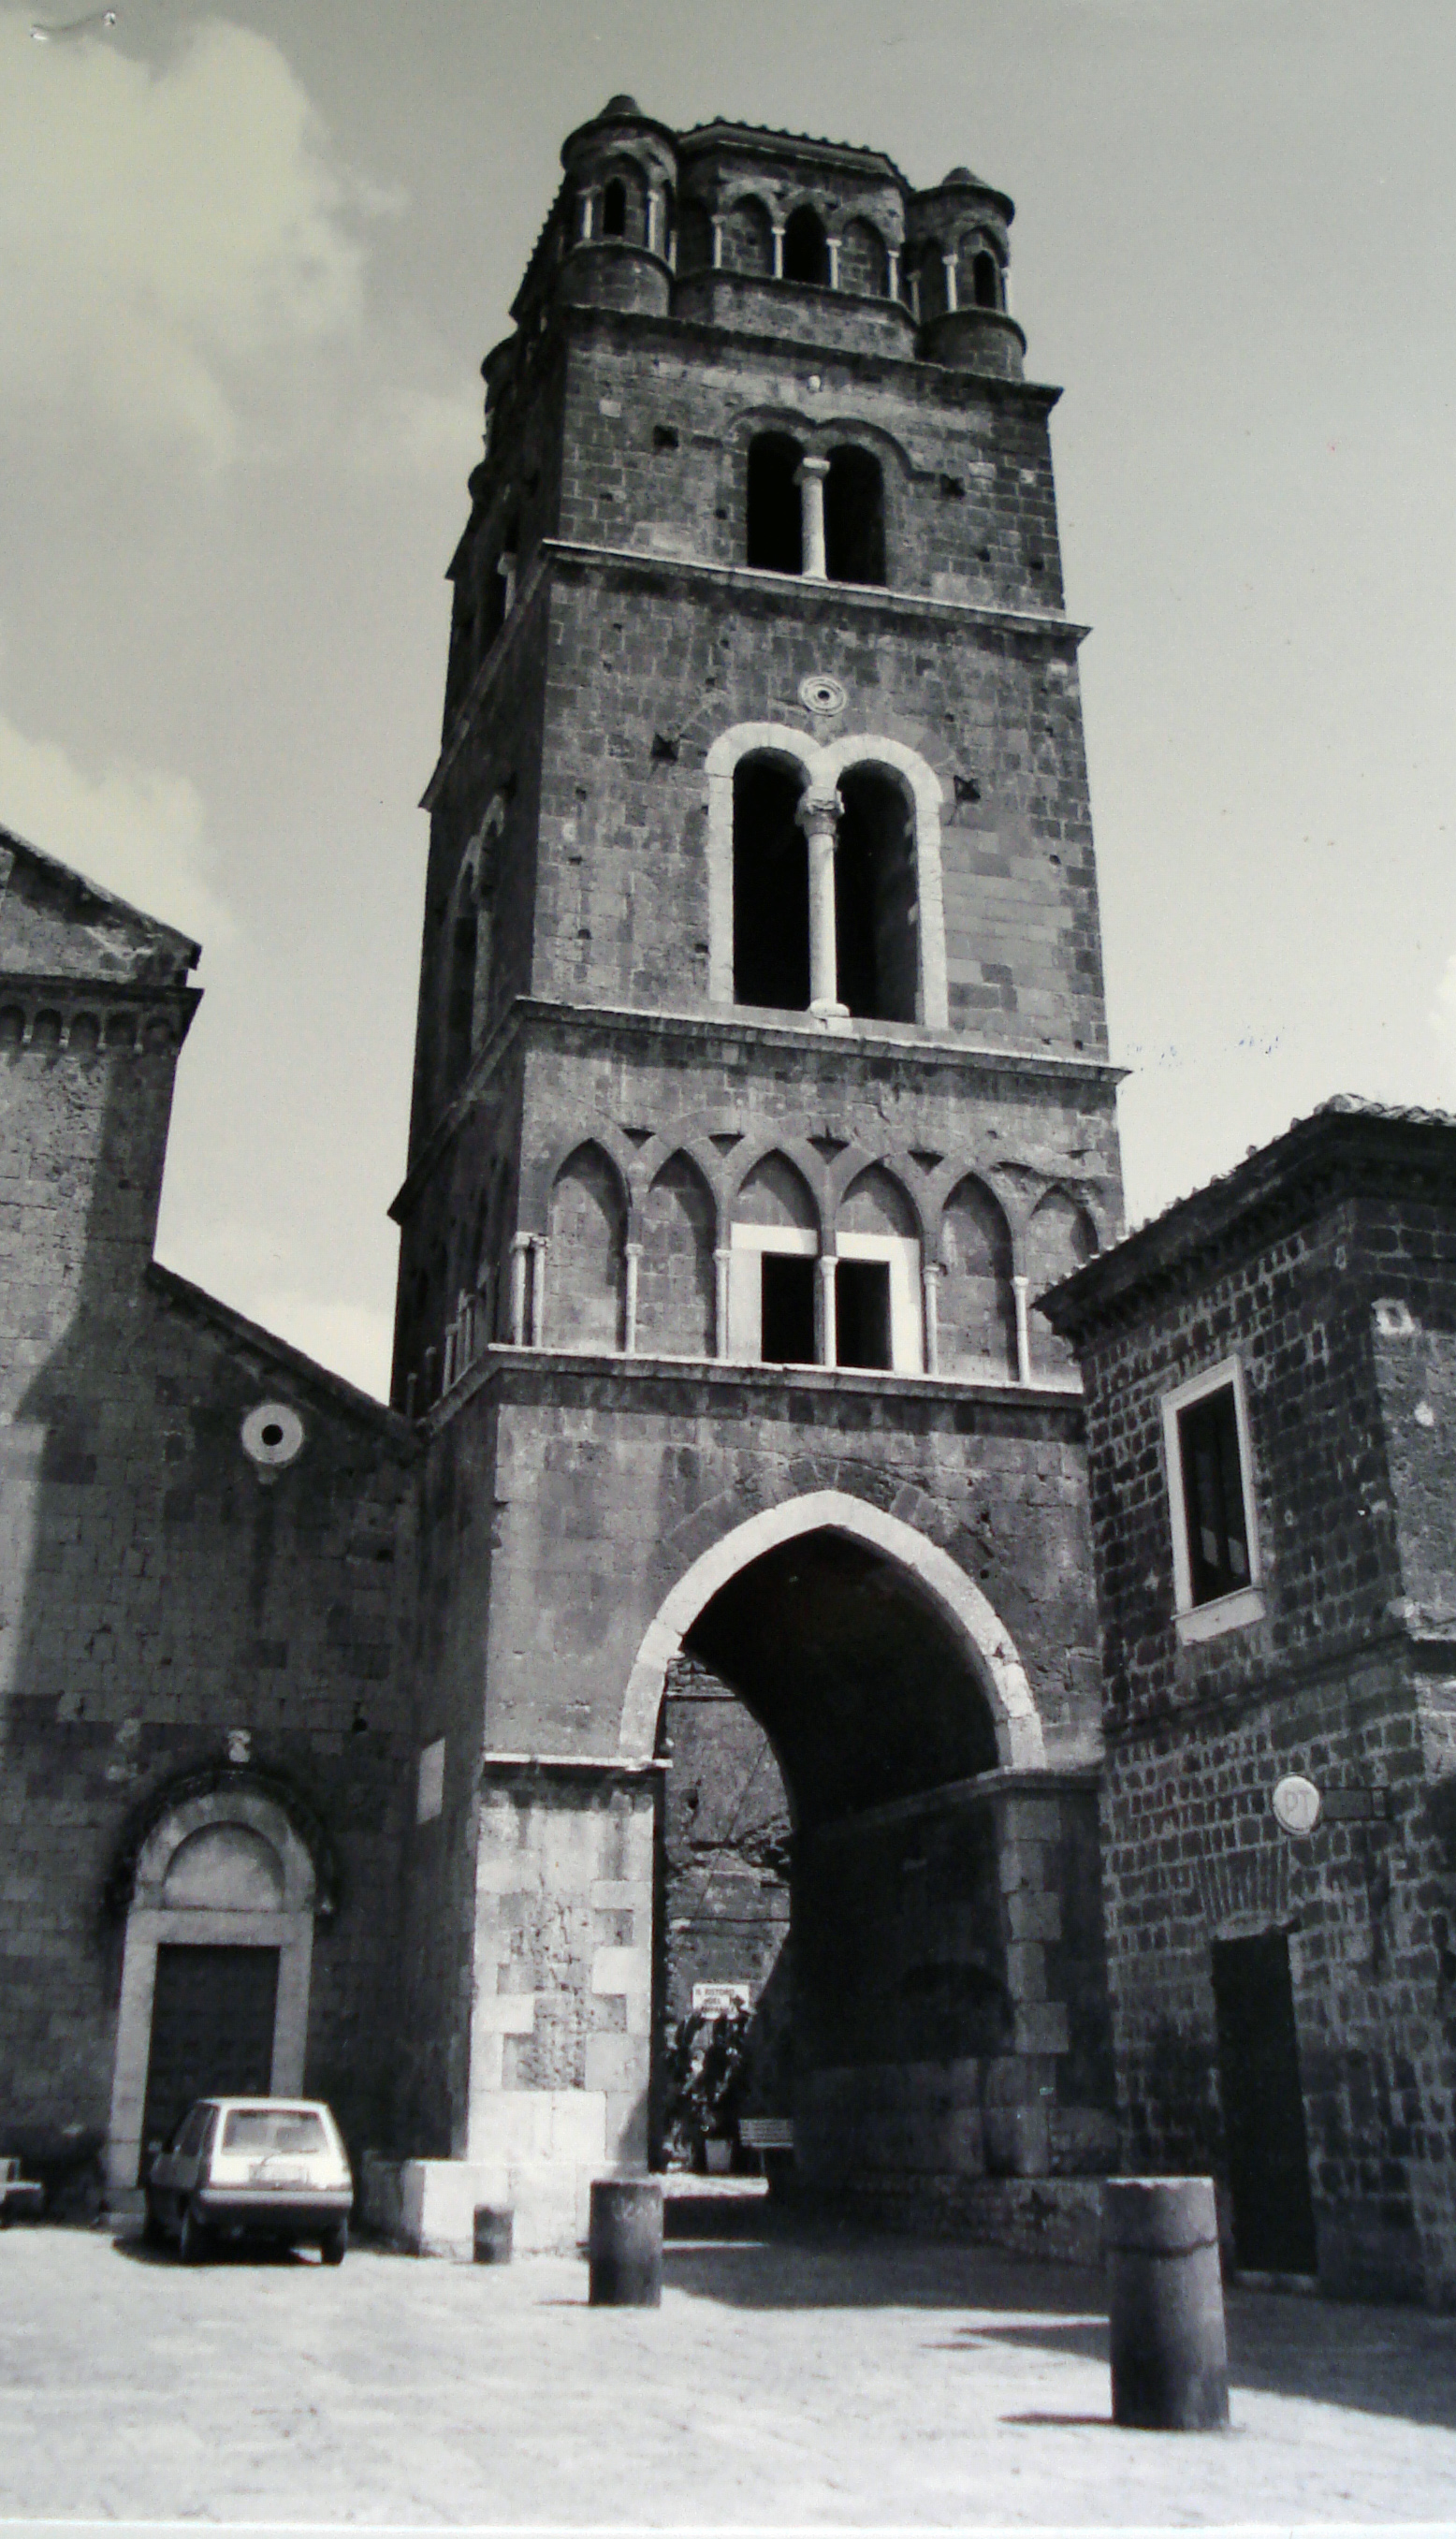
822, 695
272, 1435
1297, 1804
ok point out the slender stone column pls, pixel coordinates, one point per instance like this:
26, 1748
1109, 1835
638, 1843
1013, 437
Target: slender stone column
832, 248
587, 208
819, 814
952, 300
1020, 1289
810, 479
717, 243
629, 1315
540, 1246
932, 1274
654, 214
519, 1247
892, 278
827, 1334
723, 1258
778, 251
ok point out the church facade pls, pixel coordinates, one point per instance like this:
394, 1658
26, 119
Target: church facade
761, 1087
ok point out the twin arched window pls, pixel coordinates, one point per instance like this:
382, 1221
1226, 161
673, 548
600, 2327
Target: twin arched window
854, 510
876, 891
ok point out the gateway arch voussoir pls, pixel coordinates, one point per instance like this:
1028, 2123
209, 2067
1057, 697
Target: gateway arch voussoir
988, 1646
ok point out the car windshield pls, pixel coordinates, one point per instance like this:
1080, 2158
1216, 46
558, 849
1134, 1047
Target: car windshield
259, 2129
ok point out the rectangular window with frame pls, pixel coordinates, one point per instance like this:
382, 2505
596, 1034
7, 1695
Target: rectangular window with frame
1215, 1559
1214, 1496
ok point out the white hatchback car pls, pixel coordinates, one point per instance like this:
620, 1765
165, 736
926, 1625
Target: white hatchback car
273, 2168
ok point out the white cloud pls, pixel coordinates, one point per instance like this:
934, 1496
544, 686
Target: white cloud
1443, 1022
162, 232
139, 831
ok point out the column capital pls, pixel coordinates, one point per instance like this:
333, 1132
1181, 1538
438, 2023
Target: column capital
821, 810
811, 466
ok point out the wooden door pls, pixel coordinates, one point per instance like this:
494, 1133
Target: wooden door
211, 2031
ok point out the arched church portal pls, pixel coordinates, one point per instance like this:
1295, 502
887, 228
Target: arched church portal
216, 1968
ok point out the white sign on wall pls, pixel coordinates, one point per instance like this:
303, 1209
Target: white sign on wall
711, 1997
1297, 1804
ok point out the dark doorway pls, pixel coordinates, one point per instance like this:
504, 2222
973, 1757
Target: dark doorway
771, 887
853, 517
774, 511
788, 1309
805, 247
1263, 2105
211, 2031
861, 1313
874, 897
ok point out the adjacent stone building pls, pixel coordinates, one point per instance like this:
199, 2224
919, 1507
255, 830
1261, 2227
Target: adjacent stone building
1271, 1406
206, 1576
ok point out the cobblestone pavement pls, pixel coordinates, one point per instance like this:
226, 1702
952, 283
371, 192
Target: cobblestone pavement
827, 2380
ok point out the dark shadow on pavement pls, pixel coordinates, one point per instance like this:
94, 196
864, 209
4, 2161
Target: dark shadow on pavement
1395, 2363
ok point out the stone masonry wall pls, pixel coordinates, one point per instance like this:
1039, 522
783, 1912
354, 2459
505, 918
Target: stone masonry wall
163, 1605
1342, 1325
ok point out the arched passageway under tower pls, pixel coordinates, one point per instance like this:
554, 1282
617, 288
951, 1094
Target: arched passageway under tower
834, 1849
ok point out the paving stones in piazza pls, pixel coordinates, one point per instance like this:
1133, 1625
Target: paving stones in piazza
809, 2379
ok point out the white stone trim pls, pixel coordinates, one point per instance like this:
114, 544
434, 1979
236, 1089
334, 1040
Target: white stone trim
153, 1924
986, 1643
1245, 1604
907, 1324
825, 767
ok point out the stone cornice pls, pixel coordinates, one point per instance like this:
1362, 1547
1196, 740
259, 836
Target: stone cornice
796, 593
712, 1032
75, 992
615, 1381
859, 599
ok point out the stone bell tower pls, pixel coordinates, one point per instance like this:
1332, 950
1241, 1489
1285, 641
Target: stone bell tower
761, 1086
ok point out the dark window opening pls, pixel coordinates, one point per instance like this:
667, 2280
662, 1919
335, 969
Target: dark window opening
875, 898
775, 512
931, 282
1214, 1496
805, 247
664, 435
986, 280
788, 1309
861, 1313
771, 887
614, 209
853, 517
460, 1019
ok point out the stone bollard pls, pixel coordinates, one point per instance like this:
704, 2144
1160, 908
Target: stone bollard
1165, 2305
624, 2245
494, 2224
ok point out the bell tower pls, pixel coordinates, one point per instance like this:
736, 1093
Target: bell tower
761, 1086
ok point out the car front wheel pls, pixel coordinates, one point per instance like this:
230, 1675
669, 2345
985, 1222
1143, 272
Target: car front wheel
334, 2243
194, 2241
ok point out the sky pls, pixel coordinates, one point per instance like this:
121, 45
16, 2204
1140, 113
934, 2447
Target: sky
250, 258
